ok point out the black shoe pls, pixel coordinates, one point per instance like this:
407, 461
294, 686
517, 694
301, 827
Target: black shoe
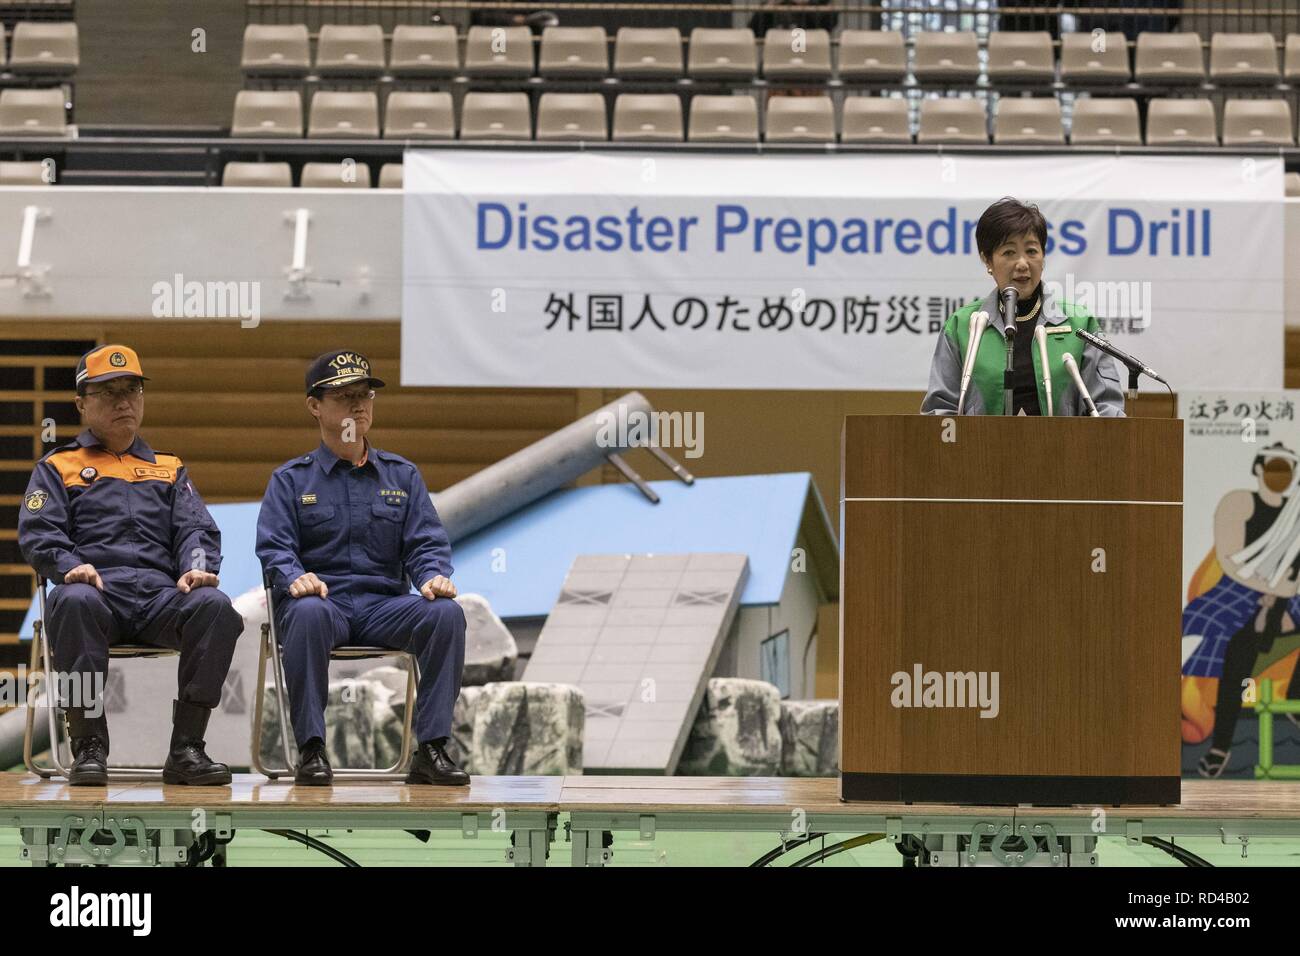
187, 762
432, 765
313, 766
89, 750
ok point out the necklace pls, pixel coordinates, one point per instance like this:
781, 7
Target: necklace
1032, 312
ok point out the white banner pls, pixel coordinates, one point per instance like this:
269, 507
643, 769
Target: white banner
575, 269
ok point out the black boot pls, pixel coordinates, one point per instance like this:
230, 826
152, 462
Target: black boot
433, 765
89, 737
313, 766
187, 762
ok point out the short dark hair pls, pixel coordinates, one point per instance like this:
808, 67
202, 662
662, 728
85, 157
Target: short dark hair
1007, 218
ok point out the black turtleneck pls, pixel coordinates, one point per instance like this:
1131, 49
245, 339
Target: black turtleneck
1025, 392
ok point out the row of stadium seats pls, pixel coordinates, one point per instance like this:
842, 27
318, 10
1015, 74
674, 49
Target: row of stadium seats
659, 117
345, 175
876, 56
40, 48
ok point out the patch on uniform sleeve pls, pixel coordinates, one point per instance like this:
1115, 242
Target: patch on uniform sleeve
36, 501
308, 499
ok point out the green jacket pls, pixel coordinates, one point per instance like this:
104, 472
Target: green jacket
1100, 372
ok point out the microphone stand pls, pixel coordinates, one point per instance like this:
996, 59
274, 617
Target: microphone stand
1008, 385
1132, 396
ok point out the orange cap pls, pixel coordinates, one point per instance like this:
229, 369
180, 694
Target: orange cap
106, 362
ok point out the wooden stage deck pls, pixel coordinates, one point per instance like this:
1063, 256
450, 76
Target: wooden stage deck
1237, 800
1233, 811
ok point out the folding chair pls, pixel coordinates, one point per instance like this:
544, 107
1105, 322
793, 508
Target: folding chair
270, 649
41, 664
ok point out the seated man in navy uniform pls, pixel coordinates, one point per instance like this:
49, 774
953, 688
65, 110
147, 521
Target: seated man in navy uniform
340, 532
134, 555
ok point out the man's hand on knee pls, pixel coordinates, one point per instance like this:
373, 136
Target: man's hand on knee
308, 585
84, 574
438, 587
196, 579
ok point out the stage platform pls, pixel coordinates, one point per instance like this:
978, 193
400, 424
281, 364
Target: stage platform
144, 823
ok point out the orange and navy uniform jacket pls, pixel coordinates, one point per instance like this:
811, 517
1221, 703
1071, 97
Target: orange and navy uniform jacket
86, 505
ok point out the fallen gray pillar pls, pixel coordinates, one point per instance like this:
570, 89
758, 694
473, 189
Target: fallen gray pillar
532, 472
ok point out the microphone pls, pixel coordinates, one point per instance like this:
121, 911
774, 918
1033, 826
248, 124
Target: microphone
1040, 339
1129, 361
1010, 299
1073, 369
979, 321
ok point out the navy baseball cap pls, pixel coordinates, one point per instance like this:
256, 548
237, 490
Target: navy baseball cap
336, 369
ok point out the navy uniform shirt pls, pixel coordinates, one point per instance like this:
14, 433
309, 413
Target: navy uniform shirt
86, 505
361, 530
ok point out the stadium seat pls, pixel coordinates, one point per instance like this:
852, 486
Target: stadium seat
418, 115
1021, 57
1081, 64
723, 119
345, 175
1257, 122
573, 51
495, 116
787, 56
800, 119
1106, 121
499, 51
267, 113
648, 52
1293, 184
722, 54
648, 117
26, 112
1169, 58
946, 57
876, 56
44, 48
952, 121
875, 119
1181, 122
1026, 121
390, 176
276, 49
350, 50
1291, 61
1243, 58
423, 51
257, 174
572, 116
337, 114
22, 174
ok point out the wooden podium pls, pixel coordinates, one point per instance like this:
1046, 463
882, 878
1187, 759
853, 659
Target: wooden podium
1045, 551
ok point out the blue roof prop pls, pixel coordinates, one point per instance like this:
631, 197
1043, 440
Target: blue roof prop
519, 562
757, 515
